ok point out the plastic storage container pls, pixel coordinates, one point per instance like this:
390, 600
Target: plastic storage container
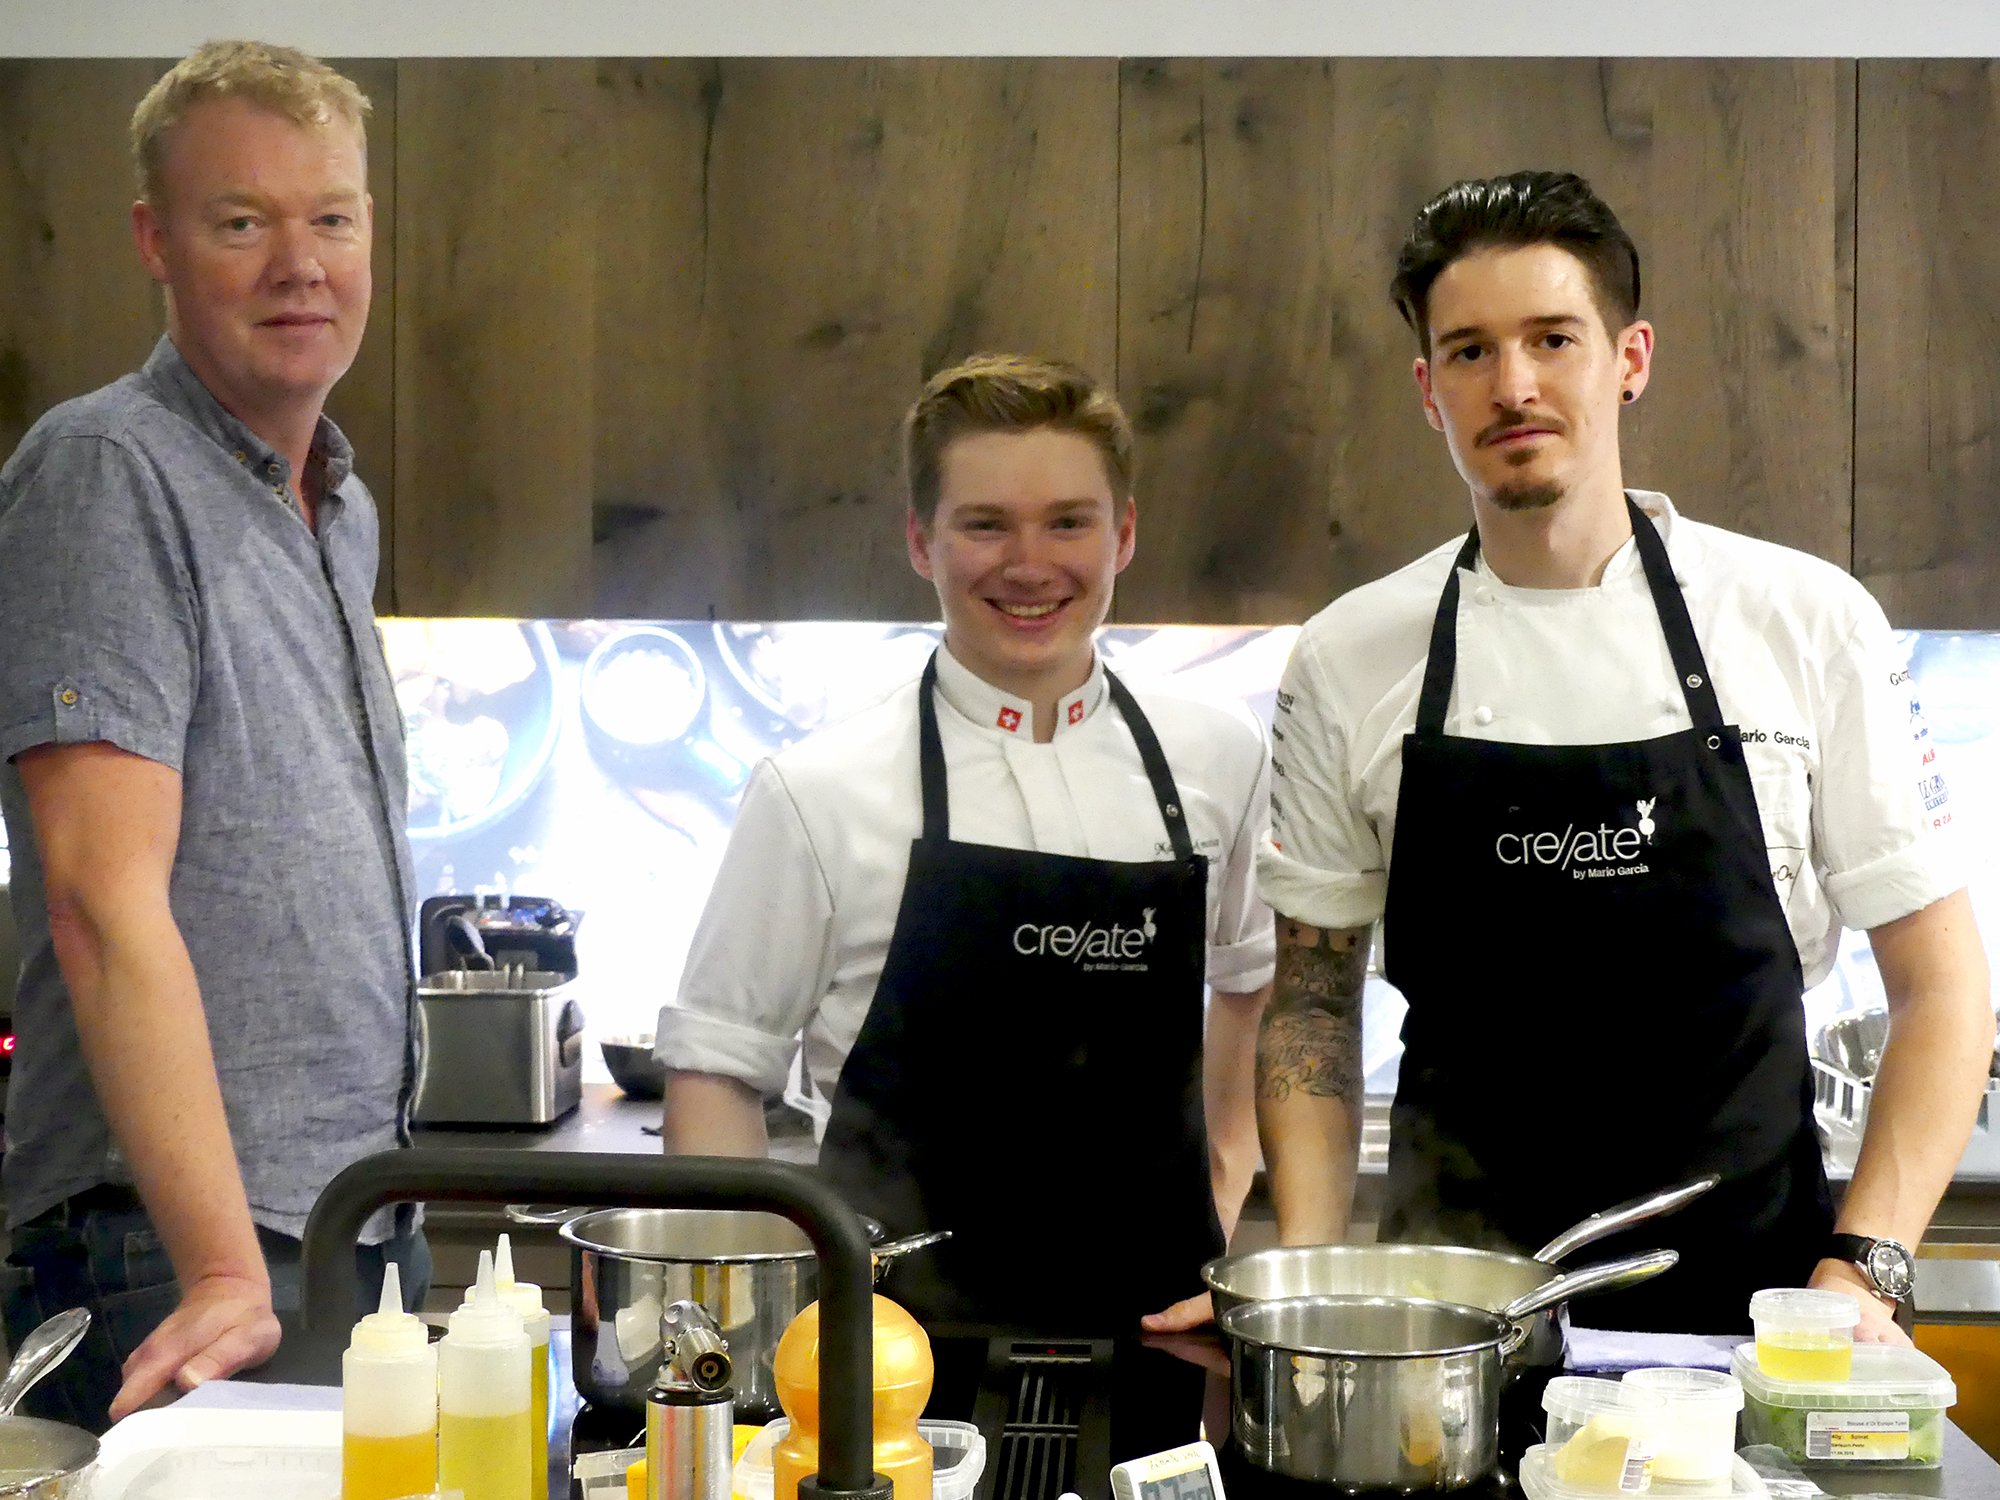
1804, 1335
1538, 1482
958, 1458
1602, 1435
1698, 1430
1889, 1414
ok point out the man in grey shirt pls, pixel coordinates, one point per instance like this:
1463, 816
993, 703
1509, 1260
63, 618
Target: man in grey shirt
204, 778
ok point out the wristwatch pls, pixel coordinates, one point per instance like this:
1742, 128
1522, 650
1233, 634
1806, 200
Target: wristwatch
1887, 1264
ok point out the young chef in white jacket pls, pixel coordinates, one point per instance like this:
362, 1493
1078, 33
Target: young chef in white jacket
1614, 780
992, 900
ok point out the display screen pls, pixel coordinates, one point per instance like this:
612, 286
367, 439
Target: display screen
1191, 1484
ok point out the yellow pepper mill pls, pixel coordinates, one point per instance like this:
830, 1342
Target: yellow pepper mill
903, 1374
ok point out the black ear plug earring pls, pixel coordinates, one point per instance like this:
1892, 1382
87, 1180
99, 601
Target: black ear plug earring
1630, 396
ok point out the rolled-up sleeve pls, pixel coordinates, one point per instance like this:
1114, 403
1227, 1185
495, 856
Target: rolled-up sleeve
96, 605
1242, 951
761, 959
1882, 811
1323, 863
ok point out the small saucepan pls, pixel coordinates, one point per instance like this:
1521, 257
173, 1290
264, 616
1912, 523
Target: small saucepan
1387, 1393
1488, 1279
752, 1271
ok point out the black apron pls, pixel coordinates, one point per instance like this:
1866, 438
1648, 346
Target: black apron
1029, 1074
1604, 997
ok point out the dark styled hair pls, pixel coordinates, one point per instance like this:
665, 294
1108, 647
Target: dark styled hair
1010, 393
1522, 208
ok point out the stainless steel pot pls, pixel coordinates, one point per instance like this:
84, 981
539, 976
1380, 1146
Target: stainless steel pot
1484, 1279
45, 1460
753, 1273
1387, 1393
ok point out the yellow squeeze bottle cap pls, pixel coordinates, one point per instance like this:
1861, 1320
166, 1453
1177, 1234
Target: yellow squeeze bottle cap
389, 1332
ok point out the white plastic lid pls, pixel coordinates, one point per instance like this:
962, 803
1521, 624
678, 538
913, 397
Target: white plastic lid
1578, 1398
484, 1321
1707, 1389
1886, 1376
389, 1332
1805, 1309
525, 1297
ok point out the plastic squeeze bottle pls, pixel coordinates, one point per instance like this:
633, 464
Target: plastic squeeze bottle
526, 1299
388, 1403
903, 1373
484, 1398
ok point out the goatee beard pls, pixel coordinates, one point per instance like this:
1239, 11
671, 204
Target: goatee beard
1520, 497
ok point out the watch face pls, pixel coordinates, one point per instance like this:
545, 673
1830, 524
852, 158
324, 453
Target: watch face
1890, 1268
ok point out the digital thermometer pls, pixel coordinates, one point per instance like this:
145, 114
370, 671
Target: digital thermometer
1185, 1473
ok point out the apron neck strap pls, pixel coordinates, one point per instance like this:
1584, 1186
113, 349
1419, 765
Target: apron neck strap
1704, 709
930, 762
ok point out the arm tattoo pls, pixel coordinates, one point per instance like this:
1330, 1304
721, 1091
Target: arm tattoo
1310, 1038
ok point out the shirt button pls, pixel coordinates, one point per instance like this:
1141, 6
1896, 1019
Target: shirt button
1482, 715
242, 457
67, 697
1482, 595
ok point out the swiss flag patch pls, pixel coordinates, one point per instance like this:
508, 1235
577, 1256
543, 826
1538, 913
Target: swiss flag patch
1010, 719
1076, 712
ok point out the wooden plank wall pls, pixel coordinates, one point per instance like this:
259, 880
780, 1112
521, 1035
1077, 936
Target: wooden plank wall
643, 328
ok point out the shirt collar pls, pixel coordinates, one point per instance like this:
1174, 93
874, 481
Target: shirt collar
180, 390
1623, 564
1005, 716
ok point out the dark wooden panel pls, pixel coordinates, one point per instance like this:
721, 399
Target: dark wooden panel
495, 261
785, 249
1286, 456
1927, 378
77, 310
364, 403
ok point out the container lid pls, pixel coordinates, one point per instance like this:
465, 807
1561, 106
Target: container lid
1578, 1398
1539, 1482
1805, 1309
1885, 1375
389, 1332
484, 1322
1707, 1389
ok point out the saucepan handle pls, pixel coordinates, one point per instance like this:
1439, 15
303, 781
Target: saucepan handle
1607, 1277
1611, 1220
536, 1215
888, 1250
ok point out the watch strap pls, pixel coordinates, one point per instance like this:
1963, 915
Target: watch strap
1854, 1247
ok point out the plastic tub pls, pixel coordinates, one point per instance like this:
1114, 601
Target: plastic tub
1538, 1482
958, 1458
1602, 1435
1889, 1414
1804, 1335
1698, 1431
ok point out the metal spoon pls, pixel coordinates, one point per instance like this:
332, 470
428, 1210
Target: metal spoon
41, 1351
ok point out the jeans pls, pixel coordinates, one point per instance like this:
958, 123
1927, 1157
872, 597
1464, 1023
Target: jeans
99, 1250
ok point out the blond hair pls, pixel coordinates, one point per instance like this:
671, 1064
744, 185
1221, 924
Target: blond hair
282, 80
1010, 393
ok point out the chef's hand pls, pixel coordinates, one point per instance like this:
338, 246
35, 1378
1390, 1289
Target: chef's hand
1878, 1318
1190, 1312
223, 1324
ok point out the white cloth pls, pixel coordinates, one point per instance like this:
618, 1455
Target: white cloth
797, 926
1851, 800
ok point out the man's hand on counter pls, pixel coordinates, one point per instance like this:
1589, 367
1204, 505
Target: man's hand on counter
1189, 1312
223, 1324
1878, 1318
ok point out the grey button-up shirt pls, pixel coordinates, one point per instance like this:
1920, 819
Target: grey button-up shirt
160, 590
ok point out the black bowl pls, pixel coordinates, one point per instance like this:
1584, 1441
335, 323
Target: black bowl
633, 1067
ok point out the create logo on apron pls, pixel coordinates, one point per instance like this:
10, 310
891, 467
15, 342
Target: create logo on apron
1091, 948
1600, 853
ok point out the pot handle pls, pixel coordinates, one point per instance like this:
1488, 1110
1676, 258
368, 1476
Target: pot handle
1607, 1277
1637, 1211
888, 1250
538, 1217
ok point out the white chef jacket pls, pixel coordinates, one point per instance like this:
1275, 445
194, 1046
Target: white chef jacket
1853, 804
797, 927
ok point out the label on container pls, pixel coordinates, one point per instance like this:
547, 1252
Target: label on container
1637, 1475
1858, 1436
